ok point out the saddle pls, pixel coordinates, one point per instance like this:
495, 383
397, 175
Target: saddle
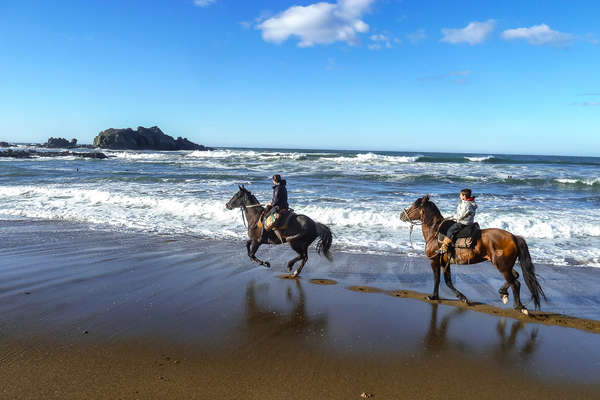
278, 219
466, 238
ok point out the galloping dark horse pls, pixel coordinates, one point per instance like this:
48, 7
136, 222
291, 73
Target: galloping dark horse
498, 246
300, 233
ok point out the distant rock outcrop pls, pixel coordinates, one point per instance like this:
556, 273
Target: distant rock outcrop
142, 139
60, 143
4, 144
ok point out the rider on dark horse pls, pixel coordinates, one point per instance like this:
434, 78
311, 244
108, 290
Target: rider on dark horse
465, 215
279, 204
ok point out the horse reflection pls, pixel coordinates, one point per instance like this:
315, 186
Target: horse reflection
262, 319
507, 346
436, 337
515, 345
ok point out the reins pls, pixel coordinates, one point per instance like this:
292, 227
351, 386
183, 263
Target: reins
243, 208
412, 225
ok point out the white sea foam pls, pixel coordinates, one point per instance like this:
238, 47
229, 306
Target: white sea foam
185, 193
589, 182
479, 159
372, 158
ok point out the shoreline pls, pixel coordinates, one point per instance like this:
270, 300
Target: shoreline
95, 314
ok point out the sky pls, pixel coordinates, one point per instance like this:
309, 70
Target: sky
412, 75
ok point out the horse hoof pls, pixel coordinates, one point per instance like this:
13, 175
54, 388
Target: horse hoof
525, 311
505, 298
465, 300
432, 298
295, 274
267, 264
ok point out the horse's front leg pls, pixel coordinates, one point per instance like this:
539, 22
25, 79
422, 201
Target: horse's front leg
435, 267
253, 247
448, 280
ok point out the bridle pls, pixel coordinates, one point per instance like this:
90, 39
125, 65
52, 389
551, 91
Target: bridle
404, 215
243, 208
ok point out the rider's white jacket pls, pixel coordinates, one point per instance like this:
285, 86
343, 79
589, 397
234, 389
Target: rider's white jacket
465, 212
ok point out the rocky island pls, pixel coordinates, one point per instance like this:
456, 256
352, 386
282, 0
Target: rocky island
142, 139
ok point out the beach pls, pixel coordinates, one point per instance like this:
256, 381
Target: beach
90, 312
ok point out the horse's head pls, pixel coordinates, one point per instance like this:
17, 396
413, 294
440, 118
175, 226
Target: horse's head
415, 211
242, 198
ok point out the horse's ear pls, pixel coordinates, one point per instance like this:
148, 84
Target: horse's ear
425, 198
239, 187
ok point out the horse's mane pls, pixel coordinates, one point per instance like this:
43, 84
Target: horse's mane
431, 211
251, 198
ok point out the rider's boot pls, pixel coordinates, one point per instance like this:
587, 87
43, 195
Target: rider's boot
445, 244
279, 236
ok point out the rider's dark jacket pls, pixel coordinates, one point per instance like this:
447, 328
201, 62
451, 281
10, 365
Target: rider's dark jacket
280, 197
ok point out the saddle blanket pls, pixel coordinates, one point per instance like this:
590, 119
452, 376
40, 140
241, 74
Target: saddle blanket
276, 220
465, 238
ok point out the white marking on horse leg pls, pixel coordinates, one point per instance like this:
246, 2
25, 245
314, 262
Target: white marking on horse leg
525, 311
505, 298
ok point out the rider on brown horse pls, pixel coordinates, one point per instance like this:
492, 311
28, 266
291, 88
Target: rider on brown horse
279, 204
465, 215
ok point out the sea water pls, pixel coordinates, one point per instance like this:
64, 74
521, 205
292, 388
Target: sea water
552, 201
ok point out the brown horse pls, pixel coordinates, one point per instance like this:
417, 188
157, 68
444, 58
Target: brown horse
498, 246
301, 231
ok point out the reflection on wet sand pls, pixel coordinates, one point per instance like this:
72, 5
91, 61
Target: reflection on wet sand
436, 338
262, 319
505, 350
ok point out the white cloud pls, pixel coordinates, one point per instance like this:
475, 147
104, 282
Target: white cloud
318, 23
474, 33
538, 35
417, 37
203, 3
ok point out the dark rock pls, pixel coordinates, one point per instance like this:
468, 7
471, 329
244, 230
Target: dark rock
33, 153
4, 144
142, 139
60, 143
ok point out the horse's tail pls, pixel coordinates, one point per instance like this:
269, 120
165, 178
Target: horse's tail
529, 272
325, 239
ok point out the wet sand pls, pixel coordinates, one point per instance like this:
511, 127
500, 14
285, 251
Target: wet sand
87, 313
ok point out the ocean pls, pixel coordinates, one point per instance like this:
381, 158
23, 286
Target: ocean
552, 201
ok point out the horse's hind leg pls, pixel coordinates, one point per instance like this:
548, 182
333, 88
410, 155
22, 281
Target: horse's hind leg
504, 289
302, 250
448, 280
252, 248
516, 289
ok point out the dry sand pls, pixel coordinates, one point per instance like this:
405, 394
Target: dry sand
88, 313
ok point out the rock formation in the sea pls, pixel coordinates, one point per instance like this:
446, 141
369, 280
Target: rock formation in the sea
32, 154
4, 144
142, 139
60, 143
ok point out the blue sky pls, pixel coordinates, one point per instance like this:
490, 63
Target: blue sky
464, 76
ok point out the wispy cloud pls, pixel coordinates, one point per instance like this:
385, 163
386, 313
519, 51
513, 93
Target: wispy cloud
417, 37
256, 21
330, 64
455, 77
318, 23
204, 3
585, 103
381, 41
538, 35
474, 33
